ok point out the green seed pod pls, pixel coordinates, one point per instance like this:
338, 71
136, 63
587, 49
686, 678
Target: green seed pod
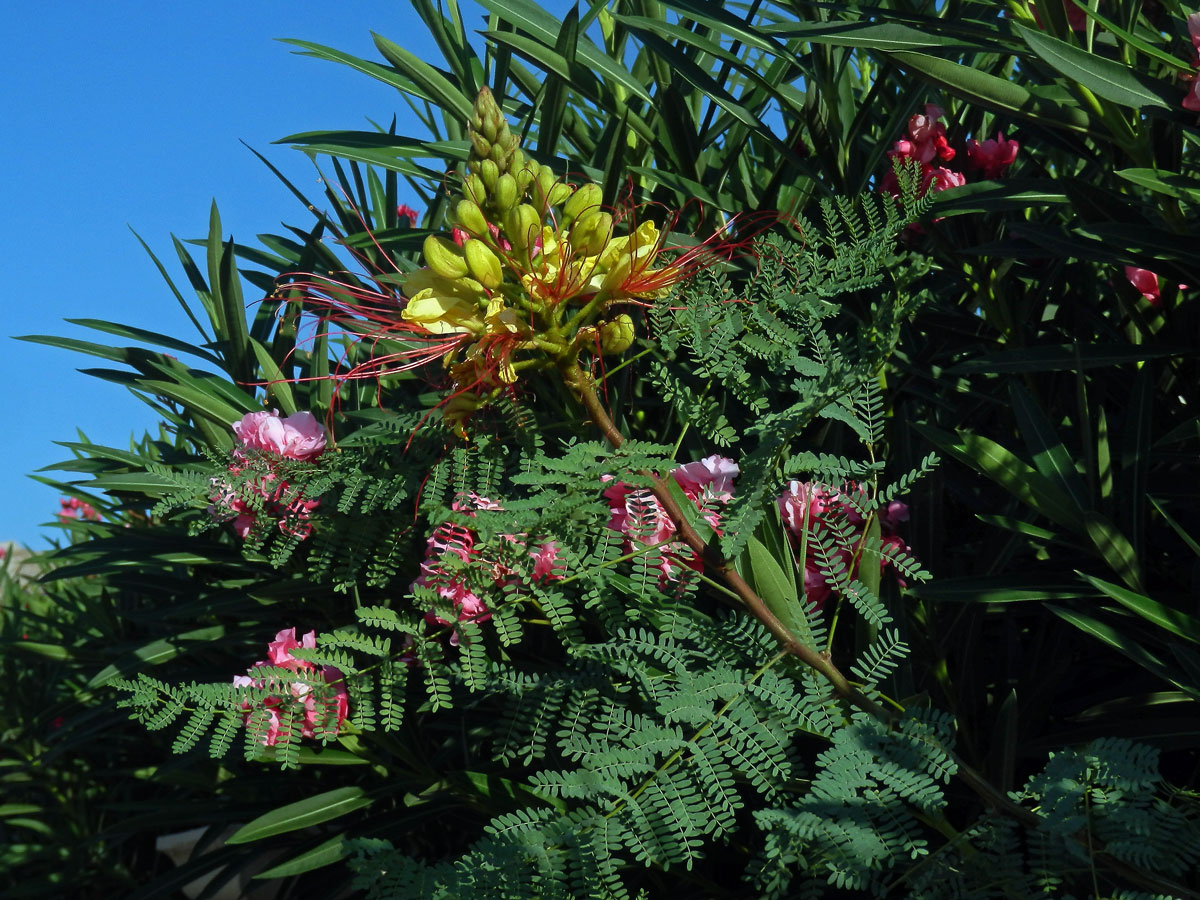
585, 199
590, 234
504, 197
471, 218
444, 257
523, 224
616, 335
484, 264
489, 172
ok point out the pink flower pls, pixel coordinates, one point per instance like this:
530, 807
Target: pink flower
812, 507
74, 508
941, 179
546, 562
336, 707
1146, 282
298, 436
636, 512
993, 156
405, 211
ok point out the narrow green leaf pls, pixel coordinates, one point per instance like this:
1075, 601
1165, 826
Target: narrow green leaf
769, 580
1178, 623
277, 384
1049, 455
155, 653
889, 36
146, 337
545, 27
1010, 472
435, 86
1175, 526
1181, 187
310, 811
1115, 548
999, 94
324, 854
1104, 77
1063, 358
1115, 638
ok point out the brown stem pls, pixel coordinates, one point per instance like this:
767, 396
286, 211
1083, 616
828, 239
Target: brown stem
714, 561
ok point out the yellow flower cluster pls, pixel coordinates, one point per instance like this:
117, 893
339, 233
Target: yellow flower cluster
533, 269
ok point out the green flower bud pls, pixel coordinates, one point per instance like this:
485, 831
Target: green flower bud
505, 195
546, 180
583, 200
444, 257
590, 235
480, 145
484, 264
525, 177
471, 218
559, 193
517, 161
473, 189
523, 225
489, 172
616, 335
500, 155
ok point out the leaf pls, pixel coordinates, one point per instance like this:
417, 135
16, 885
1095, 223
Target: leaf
1114, 547
999, 93
1049, 455
545, 27
155, 653
991, 196
1178, 623
1181, 187
325, 853
1063, 358
146, 337
277, 383
1106, 633
1013, 474
778, 592
1175, 526
311, 811
1103, 77
996, 589
888, 36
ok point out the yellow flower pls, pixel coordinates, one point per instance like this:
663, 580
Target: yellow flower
443, 305
624, 268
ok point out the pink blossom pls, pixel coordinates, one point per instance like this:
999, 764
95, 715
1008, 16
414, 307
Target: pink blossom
546, 562
941, 179
813, 508
298, 436
636, 512
74, 508
336, 708
993, 156
404, 211
1146, 282
450, 541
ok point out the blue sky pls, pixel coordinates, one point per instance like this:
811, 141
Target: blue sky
130, 115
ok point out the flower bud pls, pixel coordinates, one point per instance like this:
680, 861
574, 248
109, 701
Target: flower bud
523, 224
517, 161
444, 258
489, 172
546, 180
616, 335
505, 194
526, 175
500, 155
473, 189
483, 264
470, 218
480, 145
590, 235
558, 194
586, 198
